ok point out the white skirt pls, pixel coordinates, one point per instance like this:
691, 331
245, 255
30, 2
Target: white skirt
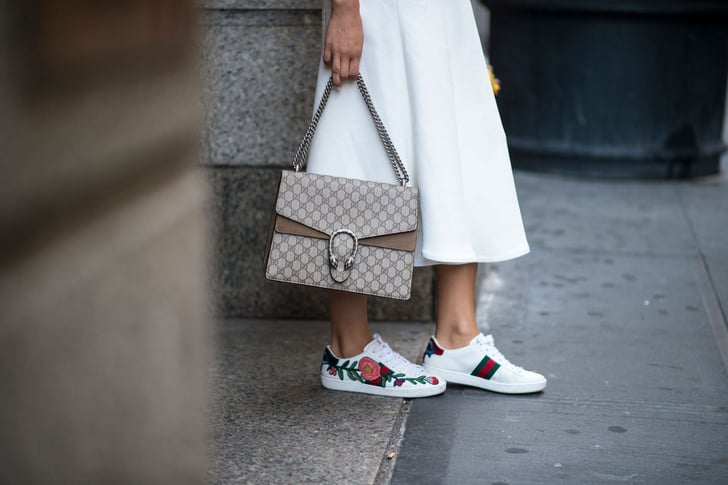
424, 67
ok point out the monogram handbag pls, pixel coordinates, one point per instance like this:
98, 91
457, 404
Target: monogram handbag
341, 233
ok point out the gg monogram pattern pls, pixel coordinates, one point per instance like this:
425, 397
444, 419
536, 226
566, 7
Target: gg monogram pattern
376, 271
328, 204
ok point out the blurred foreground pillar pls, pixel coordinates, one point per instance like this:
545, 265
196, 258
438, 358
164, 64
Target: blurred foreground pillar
622, 88
103, 342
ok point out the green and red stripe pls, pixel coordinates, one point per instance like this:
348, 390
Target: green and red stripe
486, 368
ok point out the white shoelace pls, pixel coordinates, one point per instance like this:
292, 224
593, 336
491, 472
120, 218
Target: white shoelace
493, 352
394, 360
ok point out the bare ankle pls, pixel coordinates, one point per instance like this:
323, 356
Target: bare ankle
350, 346
455, 336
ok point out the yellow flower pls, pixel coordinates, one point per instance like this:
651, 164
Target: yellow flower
494, 81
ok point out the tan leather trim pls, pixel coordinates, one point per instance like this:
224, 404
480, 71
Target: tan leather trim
285, 225
404, 241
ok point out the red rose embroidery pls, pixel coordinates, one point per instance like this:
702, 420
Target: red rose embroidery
432, 380
369, 369
375, 382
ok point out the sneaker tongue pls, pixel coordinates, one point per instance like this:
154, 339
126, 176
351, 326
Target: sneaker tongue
374, 344
390, 358
484, 339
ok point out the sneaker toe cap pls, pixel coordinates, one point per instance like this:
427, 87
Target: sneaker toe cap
520, 376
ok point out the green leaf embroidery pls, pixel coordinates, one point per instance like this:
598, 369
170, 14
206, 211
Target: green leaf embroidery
417, 380
354, 374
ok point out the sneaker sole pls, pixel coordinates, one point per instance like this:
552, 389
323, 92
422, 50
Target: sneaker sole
336, 384
469, 380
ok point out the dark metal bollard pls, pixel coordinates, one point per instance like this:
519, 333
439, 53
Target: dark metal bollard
612, 87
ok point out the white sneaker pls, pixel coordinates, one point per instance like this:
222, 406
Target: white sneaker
480, 364
378, 370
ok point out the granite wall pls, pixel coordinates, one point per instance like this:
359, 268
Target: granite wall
260, 63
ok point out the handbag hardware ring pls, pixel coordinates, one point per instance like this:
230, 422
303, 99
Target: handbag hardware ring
349, 262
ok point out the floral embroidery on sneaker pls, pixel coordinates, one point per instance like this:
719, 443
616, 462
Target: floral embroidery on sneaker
371, 372
481, 364
378, 370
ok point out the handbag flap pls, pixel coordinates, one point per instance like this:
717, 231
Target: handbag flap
404, 241
327, 204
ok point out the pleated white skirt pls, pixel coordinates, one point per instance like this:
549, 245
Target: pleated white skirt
424, 67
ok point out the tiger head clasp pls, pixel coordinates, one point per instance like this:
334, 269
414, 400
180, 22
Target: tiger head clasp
337, 274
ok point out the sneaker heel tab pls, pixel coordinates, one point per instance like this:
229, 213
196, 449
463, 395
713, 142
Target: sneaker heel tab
329, 357
433, 348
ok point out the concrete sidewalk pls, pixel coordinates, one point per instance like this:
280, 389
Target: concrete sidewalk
621, 303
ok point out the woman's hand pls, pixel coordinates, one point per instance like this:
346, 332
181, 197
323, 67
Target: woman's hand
344, 40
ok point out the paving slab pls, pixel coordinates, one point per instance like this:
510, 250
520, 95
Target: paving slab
609, 215
611, 306
706, 207
271, 420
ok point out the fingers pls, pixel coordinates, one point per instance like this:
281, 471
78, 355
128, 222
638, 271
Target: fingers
344, 69
344, 63
336, 70
344, 72
354, 68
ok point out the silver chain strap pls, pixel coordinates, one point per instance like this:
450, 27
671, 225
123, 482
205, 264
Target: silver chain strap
299, 159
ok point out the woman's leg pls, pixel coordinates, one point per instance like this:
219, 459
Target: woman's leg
453, 356
456, 324
349, 324
378, 369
